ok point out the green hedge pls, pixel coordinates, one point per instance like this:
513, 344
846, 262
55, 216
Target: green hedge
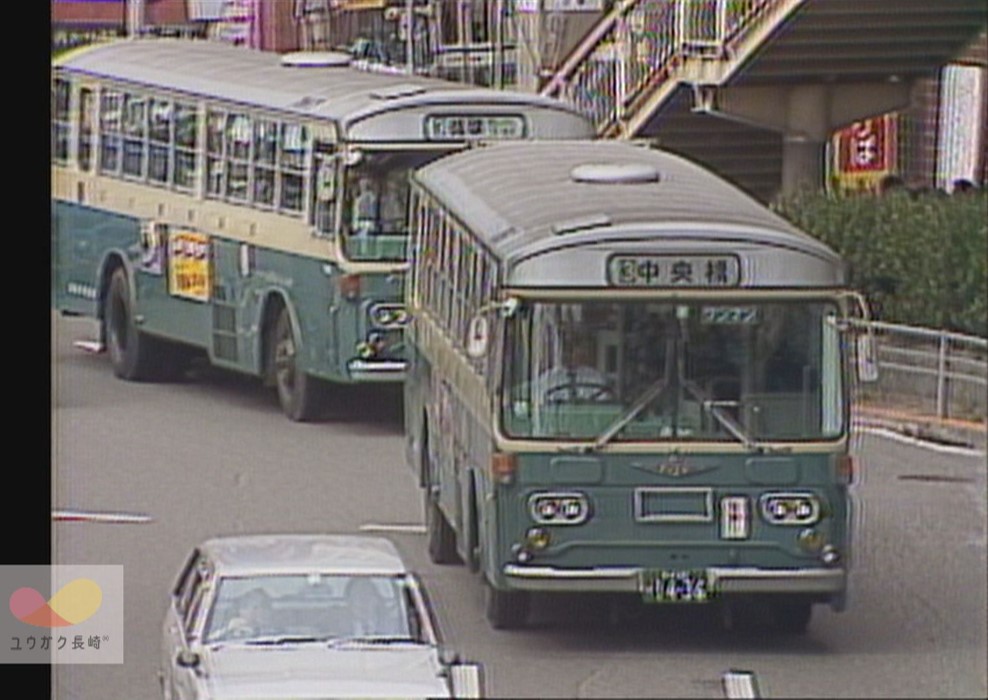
920, 258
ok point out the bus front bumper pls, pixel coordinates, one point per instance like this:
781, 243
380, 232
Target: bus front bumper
729, 580
377, 371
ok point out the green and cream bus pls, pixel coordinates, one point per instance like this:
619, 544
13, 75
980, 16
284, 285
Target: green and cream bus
252, 205
625, 375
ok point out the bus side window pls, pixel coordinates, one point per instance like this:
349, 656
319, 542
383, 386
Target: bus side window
86, 103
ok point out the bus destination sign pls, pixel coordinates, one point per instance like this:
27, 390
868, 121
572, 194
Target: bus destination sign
693, 271
457, 127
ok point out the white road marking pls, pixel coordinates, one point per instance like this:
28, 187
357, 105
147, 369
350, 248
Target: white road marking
916, 442
377, 527
92, 346
91, 517
740, 684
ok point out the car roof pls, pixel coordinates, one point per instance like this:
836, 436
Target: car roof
243, 555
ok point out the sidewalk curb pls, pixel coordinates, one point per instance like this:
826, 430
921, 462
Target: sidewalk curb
930, 428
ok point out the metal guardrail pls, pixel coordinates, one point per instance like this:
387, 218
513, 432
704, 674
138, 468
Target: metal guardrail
639, 43
928, 371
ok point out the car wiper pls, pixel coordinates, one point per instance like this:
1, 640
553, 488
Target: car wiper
375, 640
283, 640
617, 426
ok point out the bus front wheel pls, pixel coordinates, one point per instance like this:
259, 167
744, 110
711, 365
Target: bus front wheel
505, 609
792, 616
132, 352
441, 537
297, 391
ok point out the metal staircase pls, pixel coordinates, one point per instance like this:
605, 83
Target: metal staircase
755, 88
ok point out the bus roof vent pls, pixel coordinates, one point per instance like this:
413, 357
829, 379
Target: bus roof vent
581, 224
393, 92
316, 59
615, 173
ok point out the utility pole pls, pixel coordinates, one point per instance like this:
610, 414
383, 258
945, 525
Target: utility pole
135, 18
409, 37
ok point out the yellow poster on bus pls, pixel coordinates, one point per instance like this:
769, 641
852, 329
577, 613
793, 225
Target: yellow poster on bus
189, 268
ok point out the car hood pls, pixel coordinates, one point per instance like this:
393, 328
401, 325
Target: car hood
317, 672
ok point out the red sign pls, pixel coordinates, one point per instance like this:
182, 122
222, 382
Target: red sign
867, 146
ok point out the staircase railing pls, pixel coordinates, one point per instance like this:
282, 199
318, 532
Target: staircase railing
639, 43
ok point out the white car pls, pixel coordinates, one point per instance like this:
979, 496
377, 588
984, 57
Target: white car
304, 616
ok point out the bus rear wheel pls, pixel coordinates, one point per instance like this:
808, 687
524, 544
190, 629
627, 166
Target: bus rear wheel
297, 391
505, 610
133, 354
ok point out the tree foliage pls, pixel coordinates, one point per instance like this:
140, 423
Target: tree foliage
921, 259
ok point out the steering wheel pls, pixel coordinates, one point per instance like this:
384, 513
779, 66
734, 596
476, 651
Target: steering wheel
580, 391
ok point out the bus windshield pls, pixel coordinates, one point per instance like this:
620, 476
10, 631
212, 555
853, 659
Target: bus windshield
375, 216
686, 371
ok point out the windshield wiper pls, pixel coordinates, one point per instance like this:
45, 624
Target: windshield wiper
729, 424
283, 640
617, 426
373, 640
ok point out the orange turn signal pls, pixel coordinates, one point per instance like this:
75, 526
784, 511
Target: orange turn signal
503, 466
847, 469
350, 286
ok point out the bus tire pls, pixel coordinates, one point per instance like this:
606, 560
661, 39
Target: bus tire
792, 616
132, 353
441, 538
505, 610
297, 391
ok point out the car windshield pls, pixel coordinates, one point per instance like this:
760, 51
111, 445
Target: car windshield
287, 609
703, 370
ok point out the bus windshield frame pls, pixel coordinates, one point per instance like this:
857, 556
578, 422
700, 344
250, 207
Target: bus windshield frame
745, 371
374, 225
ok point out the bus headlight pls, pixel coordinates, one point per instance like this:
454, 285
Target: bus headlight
553, 508
388, 316
790, 508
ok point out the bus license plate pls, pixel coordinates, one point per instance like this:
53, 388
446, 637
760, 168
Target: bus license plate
675, 586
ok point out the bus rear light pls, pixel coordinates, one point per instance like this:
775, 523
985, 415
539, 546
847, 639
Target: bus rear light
503, 466
735, 518
350, 286
847, 469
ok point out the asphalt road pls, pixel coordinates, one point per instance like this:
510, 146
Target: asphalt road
213, 455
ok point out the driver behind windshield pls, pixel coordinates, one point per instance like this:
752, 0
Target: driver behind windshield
577, 379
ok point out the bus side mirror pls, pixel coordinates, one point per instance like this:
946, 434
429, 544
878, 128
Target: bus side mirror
866, 357
478, 336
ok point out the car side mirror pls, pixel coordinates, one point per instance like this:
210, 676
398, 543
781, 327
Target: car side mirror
188, 659
467, 680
